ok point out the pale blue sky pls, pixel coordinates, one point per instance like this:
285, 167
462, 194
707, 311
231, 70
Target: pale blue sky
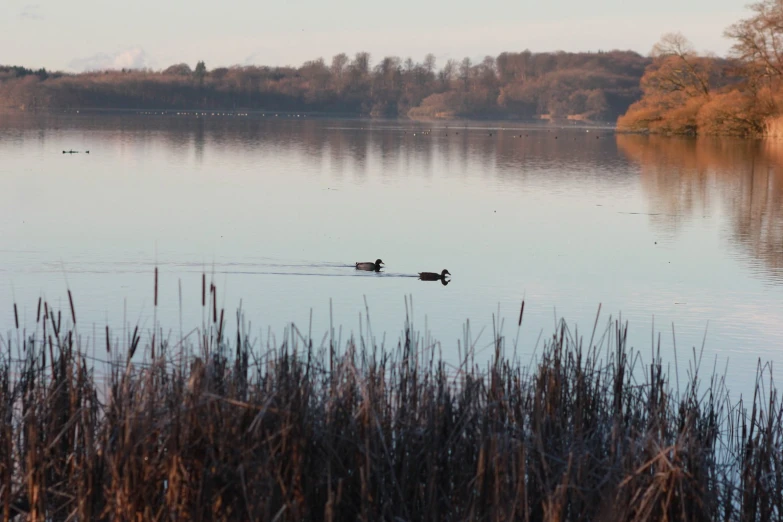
79, 34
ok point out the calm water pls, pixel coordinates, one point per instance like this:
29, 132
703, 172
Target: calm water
662, 230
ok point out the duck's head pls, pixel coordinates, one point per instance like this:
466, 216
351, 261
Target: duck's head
445, 273
378, 262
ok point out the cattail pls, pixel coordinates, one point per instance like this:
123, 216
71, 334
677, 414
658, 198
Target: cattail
521, 311
213, 289
134, 343
73, 310
220, 326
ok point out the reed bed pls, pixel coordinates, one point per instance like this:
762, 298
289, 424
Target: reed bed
212, 428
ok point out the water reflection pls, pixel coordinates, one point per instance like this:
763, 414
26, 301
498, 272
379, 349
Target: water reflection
738, 181
685, 179
354, 145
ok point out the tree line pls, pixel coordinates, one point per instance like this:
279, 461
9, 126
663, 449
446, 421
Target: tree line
519, 85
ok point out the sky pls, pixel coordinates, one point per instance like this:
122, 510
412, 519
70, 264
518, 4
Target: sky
80, 35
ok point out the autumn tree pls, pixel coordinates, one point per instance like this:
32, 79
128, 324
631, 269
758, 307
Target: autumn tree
596, 104
676, 86
679, 68
758, 46
317, 75
359, 70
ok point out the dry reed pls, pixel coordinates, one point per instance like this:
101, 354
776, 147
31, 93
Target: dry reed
225, 431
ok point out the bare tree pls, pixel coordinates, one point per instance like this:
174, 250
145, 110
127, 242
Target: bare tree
387, 71
464, 72
488, 72
446, 75
339, 63
361, 63
686, 70
429, 62
673, 44
759, 39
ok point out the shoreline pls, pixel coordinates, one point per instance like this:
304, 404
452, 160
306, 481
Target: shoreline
286, 114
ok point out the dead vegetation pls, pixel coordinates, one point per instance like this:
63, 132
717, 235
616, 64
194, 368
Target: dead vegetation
210, 428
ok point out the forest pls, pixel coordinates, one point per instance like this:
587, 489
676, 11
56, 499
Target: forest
686, 92
673, 90
520, 85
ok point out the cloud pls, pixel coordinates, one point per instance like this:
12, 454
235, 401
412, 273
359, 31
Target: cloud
132, 58
31, 12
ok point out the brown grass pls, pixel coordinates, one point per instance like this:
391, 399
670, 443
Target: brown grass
774, 127
219, 429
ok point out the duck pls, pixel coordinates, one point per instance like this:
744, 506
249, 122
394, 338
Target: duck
432, 276
369, 265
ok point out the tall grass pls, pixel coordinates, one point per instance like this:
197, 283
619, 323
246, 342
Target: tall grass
211, 428
773, 127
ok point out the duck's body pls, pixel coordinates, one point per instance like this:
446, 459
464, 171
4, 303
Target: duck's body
370, 266
433, 276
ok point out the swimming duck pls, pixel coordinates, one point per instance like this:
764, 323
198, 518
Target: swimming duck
370, 266
432, 276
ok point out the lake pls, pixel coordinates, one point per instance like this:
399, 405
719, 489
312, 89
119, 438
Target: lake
662, 232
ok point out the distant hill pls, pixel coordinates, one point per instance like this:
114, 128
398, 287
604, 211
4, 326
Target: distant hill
585, 86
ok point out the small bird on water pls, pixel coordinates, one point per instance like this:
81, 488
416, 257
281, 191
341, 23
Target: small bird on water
370, 266
432, 276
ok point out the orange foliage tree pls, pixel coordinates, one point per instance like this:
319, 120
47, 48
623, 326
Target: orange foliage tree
676, 86
690, 94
